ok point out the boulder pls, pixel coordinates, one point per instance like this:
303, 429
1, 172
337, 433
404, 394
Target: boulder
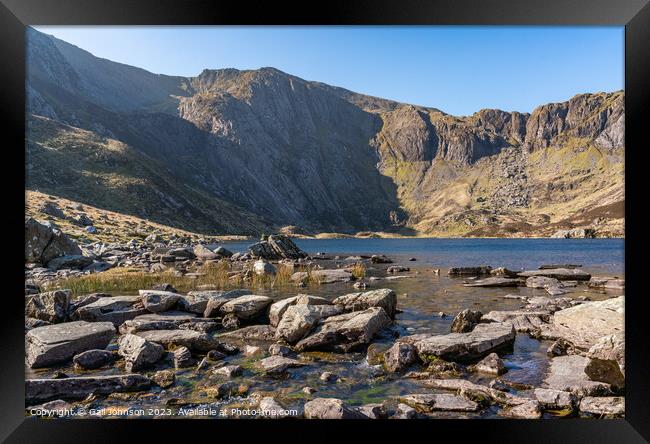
269, 407
281, 350
491, 364
603, 406
494, 282
562, 274
169, 320
222, 252
607, 361
323, 276
182, 252
182, 357
384, 298
380, 259
115, 309
567, 373
400, 356
229, 371
39, 390
58, 343
138, 352
523, 321
43, 243
465, 321
204, 253
158, 301
194, 302
93, 359
439, 402
298, 320
263, 268
555, 399
246, 307
465, 347
584, 324
551, 285
164, 378
217, 298
52, 306
278, 308
528, 410
76, 261
349, 329
277, 246
329, 408
607, 283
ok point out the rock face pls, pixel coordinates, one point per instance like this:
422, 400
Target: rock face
463, 347
384, 298
52, 306
42, 243
39, 390
54, 344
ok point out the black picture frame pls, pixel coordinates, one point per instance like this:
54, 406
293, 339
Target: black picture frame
633, 14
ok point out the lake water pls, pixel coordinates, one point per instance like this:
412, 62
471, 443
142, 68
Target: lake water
597, 255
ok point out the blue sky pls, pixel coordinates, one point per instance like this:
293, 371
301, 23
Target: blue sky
458, 69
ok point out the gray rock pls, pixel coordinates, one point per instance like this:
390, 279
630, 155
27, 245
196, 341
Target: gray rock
204, 253
372, 411
529, 410
470, 271
281, 350
277, 246
195, 302
115, 309
324, 276
607, 283
603, 406
491, 364
217, 298
229, 371
476, 392
278, 364
555, 399
93, 359
191, 339
405, 411
164, 378
400, 356
252, 332
567, 373
464, 347
298, 320
270, 408
523, 321
329, 408
182, 357
465, 321
562, 274
607, 361
39, 390
494, 282
42, 243
58, 343
138, 352
348, 329
384, 298
439, 402
223, 252
52, 306
246, 307
77, 261
158, 301
263, 268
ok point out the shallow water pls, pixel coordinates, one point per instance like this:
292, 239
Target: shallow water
422, 297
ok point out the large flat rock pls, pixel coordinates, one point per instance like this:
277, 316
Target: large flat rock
40, 390
584, 324
494, 282
466, 347
567, 373
439, 402
562, 274
298, 320
246, 307
115, 309
191, 339
324, 276
58, 343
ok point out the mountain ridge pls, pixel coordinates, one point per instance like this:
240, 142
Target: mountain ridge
281, 150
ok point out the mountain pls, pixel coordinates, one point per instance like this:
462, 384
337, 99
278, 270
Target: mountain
244, 152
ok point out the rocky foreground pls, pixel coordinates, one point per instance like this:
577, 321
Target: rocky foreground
100, 347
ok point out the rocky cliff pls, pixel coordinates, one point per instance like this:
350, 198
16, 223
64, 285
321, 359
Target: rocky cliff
250, 151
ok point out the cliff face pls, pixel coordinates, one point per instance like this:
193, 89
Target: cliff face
271, 149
